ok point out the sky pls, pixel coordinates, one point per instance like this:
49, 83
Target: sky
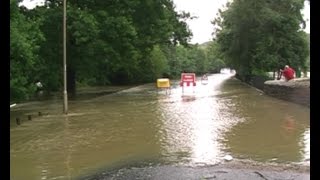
205, 10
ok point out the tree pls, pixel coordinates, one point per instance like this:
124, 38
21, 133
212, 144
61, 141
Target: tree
25, 63
215, 58
108, 42
159, 63
257, 36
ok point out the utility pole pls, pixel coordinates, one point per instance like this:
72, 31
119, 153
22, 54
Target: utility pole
65, 94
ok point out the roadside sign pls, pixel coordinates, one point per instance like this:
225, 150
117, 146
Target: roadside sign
188, 78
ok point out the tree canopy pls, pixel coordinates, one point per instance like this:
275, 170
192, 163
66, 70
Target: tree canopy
257, 36
108, 42
137, 41
25, 40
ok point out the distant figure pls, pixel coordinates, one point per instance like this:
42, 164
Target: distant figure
204, 77
39, 88
288, 73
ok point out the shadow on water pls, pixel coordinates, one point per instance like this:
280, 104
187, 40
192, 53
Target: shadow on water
143, 126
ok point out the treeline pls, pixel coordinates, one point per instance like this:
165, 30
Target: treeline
138, 41
108, 42
259, 36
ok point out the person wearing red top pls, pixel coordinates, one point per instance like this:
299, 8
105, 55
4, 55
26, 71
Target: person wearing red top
288, 73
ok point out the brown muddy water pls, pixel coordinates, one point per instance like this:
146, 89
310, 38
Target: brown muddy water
144, 126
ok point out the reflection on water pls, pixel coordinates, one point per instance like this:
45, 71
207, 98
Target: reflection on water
305, 143
272, 129
142, 124
193, 124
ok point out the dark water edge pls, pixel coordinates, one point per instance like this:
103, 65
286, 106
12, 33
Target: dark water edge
81, 94
298, 93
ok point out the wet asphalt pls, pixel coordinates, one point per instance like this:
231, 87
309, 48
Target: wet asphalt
199, 173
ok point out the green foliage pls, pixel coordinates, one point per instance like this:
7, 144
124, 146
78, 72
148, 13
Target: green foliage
108, 42
196, 58
25, 37
215, 58
257, 36
159, 63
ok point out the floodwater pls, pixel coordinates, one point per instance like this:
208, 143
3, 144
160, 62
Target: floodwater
144, 126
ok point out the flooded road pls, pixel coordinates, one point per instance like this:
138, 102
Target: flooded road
143, 126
